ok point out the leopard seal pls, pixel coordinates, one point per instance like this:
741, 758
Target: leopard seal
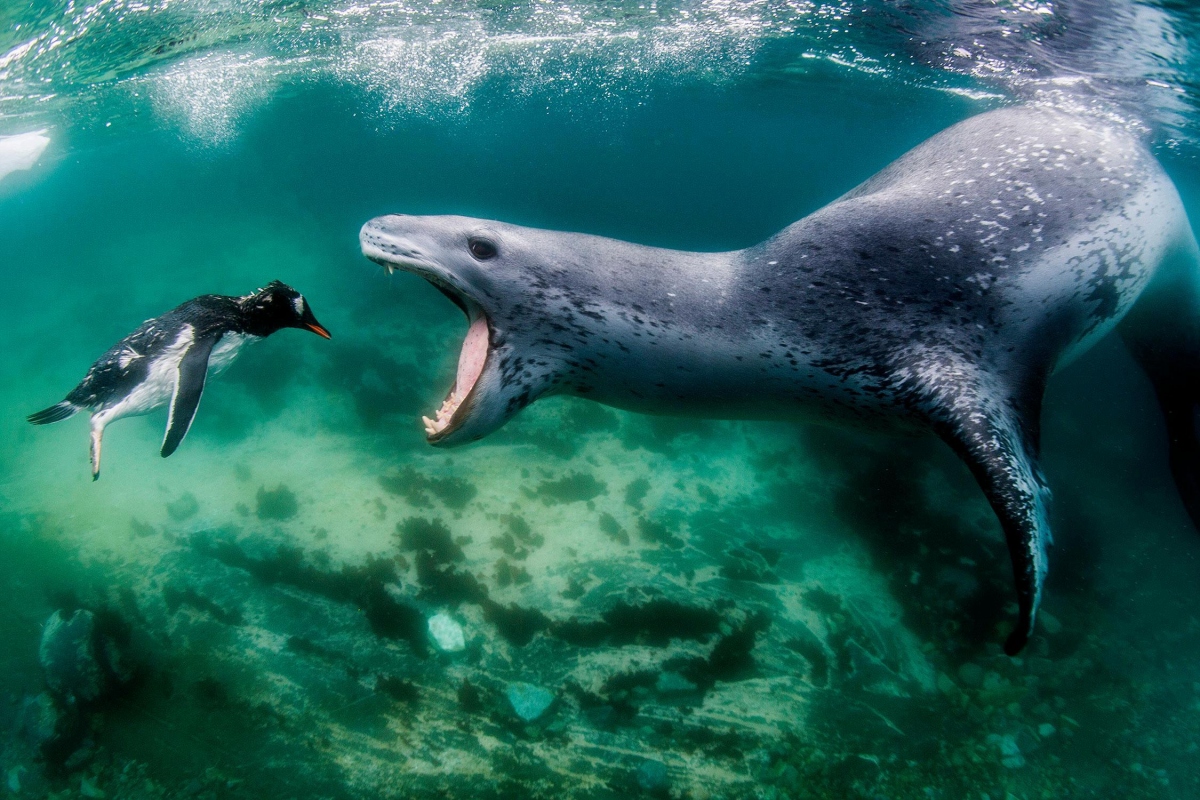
941, 294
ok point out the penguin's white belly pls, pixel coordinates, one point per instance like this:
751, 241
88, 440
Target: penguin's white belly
158, 387
227, 350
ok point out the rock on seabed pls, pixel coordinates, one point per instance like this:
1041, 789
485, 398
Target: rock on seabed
652, 777
529, 701
447, 633
68, 656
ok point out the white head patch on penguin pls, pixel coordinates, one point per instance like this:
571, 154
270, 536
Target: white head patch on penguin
277, 306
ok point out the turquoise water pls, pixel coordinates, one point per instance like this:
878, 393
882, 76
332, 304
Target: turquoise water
712, 608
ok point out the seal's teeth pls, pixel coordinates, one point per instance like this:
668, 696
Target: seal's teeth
441, 419
470, 366
448, 407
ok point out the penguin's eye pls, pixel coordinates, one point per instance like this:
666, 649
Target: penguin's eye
481, 248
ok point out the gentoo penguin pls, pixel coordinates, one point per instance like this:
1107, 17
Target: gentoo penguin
168, 358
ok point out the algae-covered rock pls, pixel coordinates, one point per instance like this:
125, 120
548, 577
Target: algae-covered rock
68, 656
653, 778
185, 507
671, 682
971, 674
1008, 749
51, 727
279, 503
82, 660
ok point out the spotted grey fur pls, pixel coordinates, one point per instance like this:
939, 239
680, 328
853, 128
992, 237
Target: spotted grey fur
941, 294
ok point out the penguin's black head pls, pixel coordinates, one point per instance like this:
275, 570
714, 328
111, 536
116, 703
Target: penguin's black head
277, 306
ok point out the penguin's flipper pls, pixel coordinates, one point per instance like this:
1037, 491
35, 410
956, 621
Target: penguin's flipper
189, 386
994, 429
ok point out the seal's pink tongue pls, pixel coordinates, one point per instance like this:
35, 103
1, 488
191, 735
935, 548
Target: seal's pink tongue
472, 358
470, 367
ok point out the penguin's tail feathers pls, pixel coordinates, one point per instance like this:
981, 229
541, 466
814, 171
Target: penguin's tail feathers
55, 413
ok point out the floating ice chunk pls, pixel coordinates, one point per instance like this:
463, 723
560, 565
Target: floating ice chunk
446, 633
21, 151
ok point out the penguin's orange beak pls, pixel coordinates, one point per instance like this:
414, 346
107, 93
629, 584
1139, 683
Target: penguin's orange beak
318, 330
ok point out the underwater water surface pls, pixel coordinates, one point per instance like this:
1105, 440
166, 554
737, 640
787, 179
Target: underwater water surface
648, 606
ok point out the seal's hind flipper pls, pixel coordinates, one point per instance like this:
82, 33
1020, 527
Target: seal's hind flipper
189, 386
996, 451
995, 431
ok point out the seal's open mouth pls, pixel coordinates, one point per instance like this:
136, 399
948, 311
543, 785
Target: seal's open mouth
470, 366
471, 360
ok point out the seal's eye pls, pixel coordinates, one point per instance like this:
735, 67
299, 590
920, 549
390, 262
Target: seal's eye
481, 248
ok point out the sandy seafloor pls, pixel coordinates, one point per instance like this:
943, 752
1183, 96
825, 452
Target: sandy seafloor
764, 609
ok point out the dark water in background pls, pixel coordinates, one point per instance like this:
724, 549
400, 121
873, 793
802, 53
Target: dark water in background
764, 610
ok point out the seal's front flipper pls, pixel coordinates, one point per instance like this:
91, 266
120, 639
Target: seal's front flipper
995, 432
189, 386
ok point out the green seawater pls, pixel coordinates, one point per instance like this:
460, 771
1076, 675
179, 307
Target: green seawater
713, 609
